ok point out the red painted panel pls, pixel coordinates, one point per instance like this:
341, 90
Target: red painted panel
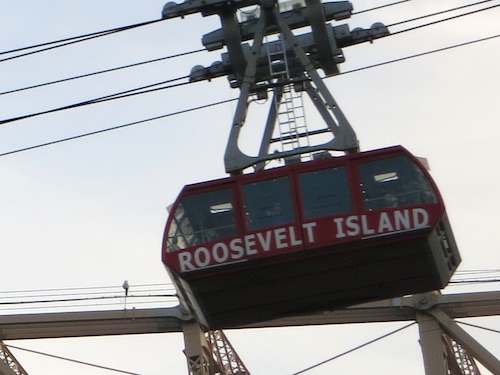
356, 227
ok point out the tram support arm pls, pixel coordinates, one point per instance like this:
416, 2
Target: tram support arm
473, 347
233, 156
345, 137
431, 344
268, 130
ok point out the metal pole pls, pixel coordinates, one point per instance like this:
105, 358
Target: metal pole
431, 343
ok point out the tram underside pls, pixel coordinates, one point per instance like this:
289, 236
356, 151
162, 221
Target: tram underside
331, 278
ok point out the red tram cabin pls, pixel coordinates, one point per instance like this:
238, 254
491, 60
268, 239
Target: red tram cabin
307, 237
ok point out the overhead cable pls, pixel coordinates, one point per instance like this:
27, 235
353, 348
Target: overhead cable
202, 49
475, 277
71, 40
80, 299
405, 1
101, 72
120, 95
442, 12
474, 281
229, 100
149, 88
437, 21
88, 288
5, 296
97, 34
420, 54
117, 127
354, 349
71, 360
480, 327
380, 7
89, 306
73, 298
468, 272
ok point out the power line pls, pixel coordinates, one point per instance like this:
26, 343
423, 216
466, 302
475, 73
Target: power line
137, 293
72, 40
73, 298
354, 349
479, 327
97, 34
101, 33
82, 288
117, 127
149, 88
102, 72
438, 21
135, 91
80, 38
75, 37
80, 299
442, 12
380, 7
475, 277
229, 100
421, 54
71, 360
474, 281
120, 95
467, 272
90, 306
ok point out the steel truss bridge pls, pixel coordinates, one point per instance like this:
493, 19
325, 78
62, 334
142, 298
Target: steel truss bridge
447, 349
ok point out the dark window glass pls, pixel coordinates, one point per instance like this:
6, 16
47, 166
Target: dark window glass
325, 192
268, 203
202, 218
394, 182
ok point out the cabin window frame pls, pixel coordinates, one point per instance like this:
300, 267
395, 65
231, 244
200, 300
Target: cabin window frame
348, 192
201, 233
269, 215
399, 190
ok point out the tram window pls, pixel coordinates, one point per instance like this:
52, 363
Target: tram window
325, 192
268, 203
202, 218
394, 182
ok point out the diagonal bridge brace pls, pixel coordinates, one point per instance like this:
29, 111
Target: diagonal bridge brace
434, 325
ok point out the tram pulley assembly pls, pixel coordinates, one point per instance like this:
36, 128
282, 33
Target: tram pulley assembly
248, 68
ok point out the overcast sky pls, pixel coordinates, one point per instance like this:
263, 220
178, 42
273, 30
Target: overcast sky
91, 212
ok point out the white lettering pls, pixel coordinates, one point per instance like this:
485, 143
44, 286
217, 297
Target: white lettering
340, 231
420, 218
293, 238
220, 258
237, 250
402, 219
280, 238
364, 223
185, 261
310, 235
202, 257
372, 223
250, 244
265, 242
352, 224
384, 223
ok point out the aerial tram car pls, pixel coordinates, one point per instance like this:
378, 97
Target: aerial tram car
307, 237
318, 234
